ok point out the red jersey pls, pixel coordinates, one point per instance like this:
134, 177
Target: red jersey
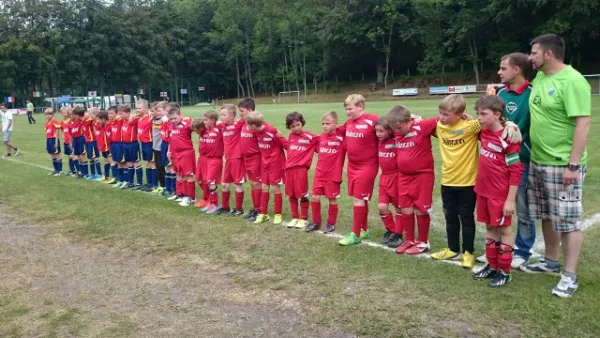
414, 149
129, 130
301, 149
181, 136
499, 165
76, 129
65, 125
249, 142
361, 141
271, 148
387, 156
88, 129
102, 134
144, 128
52, 128
211, 143
165, 130
330, 161
116, 134
231, 139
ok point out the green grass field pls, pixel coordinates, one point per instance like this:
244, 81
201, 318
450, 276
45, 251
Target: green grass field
363, 290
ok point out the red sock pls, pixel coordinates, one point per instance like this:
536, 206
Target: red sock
264, 203
278, 198
316, 211
505, 257
365, 223
256, 199
358, 219
294, 207
491, 253
332, 213
225, 199
408, 223
239, 200
190, 189
423, 222
304, 209
179, 187
388, 221
214, 197
400, 226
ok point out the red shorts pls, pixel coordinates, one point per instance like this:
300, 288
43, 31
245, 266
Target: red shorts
489, 211
253, 165
416, 191
296, 182
361, 182
326, 188
234, 171
272, 177
388, 189
184, 163
209, 169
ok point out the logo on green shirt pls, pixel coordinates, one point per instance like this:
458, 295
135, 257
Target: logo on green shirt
537, 100
551, 91
511, 107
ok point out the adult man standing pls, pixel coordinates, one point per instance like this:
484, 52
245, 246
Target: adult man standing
560, 105
30, 109
7, 128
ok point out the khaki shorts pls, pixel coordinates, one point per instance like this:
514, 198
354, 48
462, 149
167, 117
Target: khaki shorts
6, 136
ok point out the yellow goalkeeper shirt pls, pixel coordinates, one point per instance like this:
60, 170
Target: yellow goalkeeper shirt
459, 150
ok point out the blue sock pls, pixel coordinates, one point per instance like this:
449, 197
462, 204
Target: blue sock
130, 174
171, 182
59, 164
106, 170
139, 173
167, 181
114, 171
92, 168
122, 175
98, 167
72, 165
83, 167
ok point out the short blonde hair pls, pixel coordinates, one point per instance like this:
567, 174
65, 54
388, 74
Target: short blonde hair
332, 114
212, 114
142, 102
398, 114
229, 108
161, 104
49, 111
355, 100
255, 119
453, 103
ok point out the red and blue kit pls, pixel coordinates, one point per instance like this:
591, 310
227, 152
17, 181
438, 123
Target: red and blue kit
144, 131
102, 133
234, 164
210, 160
182, 148
272, 155
91, 147
330, 164
64, 126
499, 168
77, 139
300, 151
250, 152
131, 146
388, 181
116, 140
52, 141
165, 132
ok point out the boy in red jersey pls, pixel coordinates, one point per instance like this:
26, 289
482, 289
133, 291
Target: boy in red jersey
209, 167
144, 130
498, 179
91, 148
272, 158
131, 147
76, 132
53, 142
116, 146
234, 172
388, 184
361, 144
165, 133
300, 150
102, 133
252, 157
181, 153
328, 174
415, 177
68, 150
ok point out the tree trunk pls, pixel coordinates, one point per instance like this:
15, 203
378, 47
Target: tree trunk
294, 62
388, 51
285, 69
380, 72
249, 67
474, 58
237, 78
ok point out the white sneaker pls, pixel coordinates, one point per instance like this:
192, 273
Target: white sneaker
186, 202
481, 259
566, 287
292, 223
180, 198
301, 224
517, 262
174, 197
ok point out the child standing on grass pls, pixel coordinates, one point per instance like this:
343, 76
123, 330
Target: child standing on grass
209, 168
76, 132
102, 132
116, 147
328, 173
498, 179
234, 172
53, 142
388, 184
68, 150
165, 134
300, 150
91, 147
131, 146
181, 153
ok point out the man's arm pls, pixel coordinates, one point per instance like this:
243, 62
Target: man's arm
580, 138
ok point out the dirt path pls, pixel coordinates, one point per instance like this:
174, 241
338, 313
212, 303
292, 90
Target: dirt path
57, 288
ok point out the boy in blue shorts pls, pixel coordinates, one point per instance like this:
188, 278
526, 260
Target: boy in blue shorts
53, 142
131, 146
91, 147
78, 141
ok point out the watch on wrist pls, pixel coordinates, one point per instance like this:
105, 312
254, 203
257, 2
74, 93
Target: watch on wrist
573, 166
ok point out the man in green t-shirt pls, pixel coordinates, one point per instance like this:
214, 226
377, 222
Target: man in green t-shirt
560, 106
30, 109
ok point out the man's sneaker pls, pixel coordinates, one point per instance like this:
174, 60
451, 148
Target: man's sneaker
137, 187
201, 203
278, 219
482, 259
186, 202
329, 228
301, 224
417, 249
70, 173
17, 151
386, 237
174, 197
117, 184
364, 234
467, 260
250, 214
541, 267
110, 180
80, 176
404, 246
261, 218
292, 223
349, 239
235, 213
485, 273
500, 278
445, 254
395, 240
312, 227
517, 261
566, 287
